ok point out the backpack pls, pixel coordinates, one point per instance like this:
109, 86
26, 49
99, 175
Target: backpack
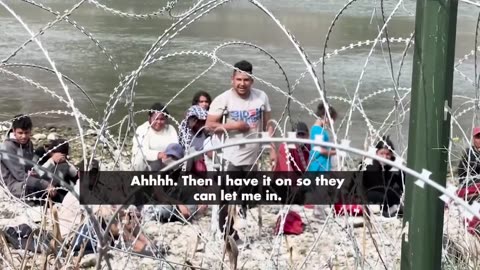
18, 236
293, 224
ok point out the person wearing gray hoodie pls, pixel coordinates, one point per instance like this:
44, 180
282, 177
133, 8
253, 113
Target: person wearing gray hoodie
17, 176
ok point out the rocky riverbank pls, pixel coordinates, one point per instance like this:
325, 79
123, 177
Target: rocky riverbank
335, 243
369, 242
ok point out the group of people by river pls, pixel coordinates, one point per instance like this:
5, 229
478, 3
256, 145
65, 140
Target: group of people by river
237, 114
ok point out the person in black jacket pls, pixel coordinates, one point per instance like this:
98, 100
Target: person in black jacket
470, 163
382, 184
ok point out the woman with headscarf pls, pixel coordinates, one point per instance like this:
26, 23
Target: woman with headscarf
189, 135
192, 138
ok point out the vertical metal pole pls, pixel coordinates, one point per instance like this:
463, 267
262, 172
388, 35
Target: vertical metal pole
221, 163
220, 167
429, 131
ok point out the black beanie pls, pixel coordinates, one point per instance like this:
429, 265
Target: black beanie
385, 143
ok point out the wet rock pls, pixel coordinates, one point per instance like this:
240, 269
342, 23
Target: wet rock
51, 128
4, 128
91, 132
88, 261
53, 136
6, 213
39, 136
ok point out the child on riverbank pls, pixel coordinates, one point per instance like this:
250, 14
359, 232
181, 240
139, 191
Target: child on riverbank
320, 157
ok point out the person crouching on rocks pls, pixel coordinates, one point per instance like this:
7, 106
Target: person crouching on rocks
60, 166
382, 184
73, 219
17, 176
170, 212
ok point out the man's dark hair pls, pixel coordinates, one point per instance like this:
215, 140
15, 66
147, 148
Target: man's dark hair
244, 66
22, 121
322, 113
157, 107
59, 146
196, 97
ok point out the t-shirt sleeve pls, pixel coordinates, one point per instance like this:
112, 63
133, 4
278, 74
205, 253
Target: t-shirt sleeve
325, 136
207, 142
217, 106
267, 103
316, 130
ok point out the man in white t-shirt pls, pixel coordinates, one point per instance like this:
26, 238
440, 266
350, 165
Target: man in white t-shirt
246, 107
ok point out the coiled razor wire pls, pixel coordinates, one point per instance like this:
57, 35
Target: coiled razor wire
182, 20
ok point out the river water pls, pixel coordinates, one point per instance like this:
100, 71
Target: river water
128, 40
